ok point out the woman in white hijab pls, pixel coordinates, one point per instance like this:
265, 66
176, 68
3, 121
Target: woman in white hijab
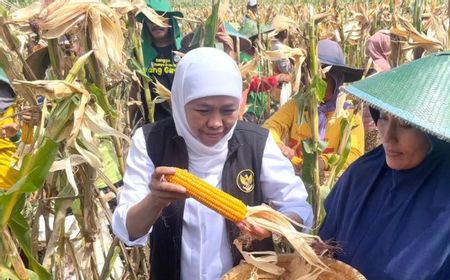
188, 240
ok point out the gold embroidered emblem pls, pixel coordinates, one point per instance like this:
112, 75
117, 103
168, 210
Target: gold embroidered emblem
245, 180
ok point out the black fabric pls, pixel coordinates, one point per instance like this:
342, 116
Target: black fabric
246, 148
375, 114
166, 148
162, 68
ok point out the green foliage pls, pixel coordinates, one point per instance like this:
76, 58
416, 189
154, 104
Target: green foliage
211, 25
19, 226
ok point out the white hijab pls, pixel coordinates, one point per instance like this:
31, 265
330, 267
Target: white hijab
200, 73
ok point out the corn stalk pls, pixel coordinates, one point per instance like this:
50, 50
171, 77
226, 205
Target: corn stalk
312, 147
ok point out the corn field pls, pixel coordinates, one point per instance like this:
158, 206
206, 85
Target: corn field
55, 219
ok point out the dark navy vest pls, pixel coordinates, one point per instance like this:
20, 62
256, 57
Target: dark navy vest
166, 148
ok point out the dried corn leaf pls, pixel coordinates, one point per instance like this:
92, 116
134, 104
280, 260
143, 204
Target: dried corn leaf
106, 35
275, 222
267, 263
52, 89
281, 22
74, 160
86, 153
61, 16
435, 28
250, 68
283, 53
99, 126
161, 90
223, 9
297, 73
25, 14
403, 28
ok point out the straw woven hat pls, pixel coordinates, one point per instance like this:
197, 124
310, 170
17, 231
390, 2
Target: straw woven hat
417, 92
339, 271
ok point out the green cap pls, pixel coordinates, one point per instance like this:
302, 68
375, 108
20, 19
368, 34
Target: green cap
250, 29
244, 42
161, 7
417, 92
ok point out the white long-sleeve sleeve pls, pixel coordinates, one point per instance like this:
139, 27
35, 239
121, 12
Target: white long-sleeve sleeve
281, 187
139, 169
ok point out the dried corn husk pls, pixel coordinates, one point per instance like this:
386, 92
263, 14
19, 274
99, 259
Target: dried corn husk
281, 22
295, 269
161, 90
404, 29
284, 52
105, 31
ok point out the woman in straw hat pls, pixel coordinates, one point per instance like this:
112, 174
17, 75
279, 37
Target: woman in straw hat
390, 210
188, 240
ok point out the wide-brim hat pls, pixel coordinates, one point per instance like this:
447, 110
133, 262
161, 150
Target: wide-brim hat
250, 29
162, 8
244, 42
417, 92
330, 54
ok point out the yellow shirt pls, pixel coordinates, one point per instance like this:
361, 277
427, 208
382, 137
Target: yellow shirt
284, 128
8, 174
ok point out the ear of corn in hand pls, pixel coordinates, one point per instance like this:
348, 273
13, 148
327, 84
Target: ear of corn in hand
225, 204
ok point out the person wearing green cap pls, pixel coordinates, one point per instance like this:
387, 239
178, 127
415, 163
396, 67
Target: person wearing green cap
159, 44
390, 210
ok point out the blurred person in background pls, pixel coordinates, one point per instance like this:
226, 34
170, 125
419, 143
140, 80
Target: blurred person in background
288, 133
378, 48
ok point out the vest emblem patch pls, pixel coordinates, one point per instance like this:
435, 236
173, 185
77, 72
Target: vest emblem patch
245, 180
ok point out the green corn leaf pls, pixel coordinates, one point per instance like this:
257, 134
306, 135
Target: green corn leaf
138, 68
348, 145
19, 226
308, 163
6, 273
197, 38
102, 100
300, 101
211, 25
319, 87
33, 174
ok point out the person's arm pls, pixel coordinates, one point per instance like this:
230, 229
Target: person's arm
267, 83
139, 202
143, 215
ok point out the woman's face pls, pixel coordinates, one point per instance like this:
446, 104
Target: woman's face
211, 118
405, 146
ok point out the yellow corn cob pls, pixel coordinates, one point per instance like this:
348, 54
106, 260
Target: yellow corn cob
214, 198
